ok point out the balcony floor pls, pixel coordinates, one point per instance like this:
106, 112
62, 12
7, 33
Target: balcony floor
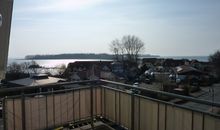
100, 124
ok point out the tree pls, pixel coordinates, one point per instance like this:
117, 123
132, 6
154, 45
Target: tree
114, 47
34, 67
25, 67
133, 47
215, 60
61, 69
16, 71
129, 45
14, 68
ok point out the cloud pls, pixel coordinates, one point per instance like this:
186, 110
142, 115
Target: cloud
63, 5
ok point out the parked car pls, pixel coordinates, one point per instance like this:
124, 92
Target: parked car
136, 84
136, 91
147, 81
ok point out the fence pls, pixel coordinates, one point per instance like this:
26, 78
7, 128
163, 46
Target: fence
50, 110
143, 113
125, 108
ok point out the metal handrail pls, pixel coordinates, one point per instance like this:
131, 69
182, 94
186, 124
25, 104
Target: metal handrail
101, 81
188, 98
105, 84
52, 85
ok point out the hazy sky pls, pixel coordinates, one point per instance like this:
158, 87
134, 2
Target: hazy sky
168, 27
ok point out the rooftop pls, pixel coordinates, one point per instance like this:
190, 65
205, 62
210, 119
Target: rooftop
39, 79
185, 69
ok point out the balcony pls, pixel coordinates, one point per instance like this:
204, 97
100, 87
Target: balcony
111, 103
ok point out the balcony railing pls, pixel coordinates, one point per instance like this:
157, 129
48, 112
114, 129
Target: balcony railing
105, 99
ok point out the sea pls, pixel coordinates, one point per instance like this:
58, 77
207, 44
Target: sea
199, 58
50, 63
56, 62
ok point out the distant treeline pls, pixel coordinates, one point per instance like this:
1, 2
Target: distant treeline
71, 56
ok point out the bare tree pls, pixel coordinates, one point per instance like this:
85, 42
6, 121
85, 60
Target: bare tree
215, 60
114, 47
122, 51
14, 68
25, 67
130, 45
61, 69
34, 67
133, 47
16, 71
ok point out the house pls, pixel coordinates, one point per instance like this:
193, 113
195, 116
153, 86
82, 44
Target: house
75, 77
106, 73
151, 61
174, 62
187, 70
84, 70
186, 73
117, 67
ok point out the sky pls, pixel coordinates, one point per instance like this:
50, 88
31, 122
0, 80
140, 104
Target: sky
167, 27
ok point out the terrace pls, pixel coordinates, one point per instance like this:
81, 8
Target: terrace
97, 104
102, 104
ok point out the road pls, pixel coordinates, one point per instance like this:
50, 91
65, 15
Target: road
211, 93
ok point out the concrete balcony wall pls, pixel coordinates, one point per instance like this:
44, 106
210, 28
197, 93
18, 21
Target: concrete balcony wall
6, 13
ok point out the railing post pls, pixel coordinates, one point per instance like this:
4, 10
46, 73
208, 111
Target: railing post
46, 113
91, 107
4, 113
132, 110
53, 108
23, 111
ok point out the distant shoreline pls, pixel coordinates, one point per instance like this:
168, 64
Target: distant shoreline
70, 56
78, 56
104, 57
199, 58
58, 59
55, 62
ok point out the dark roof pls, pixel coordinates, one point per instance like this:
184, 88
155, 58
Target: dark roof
173, 62
39, 76
88, 63
187, 70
